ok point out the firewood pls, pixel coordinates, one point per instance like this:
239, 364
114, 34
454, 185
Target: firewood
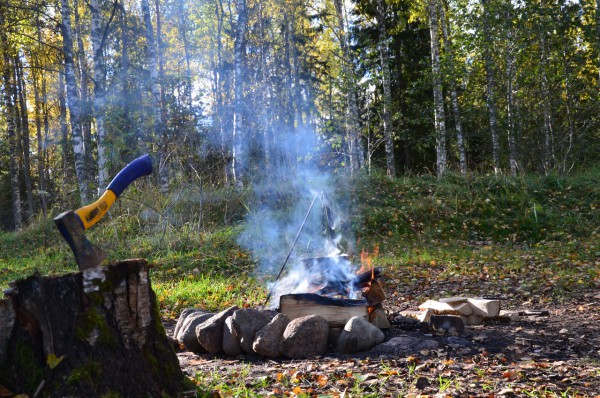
336, 311
485, 308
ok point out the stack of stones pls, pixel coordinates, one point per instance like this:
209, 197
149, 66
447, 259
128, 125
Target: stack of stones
234, 332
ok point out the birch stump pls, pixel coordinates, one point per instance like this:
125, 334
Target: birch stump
90, 333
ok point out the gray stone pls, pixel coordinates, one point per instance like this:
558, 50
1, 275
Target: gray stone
305, 337
378, 318
358, 335
402, 346
210, 332
183, 317
187, 333
268, 339
246, 323
231, 341
448, 323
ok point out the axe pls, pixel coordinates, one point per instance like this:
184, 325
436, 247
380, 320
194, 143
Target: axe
72, 224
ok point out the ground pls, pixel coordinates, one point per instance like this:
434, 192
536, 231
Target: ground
542, 356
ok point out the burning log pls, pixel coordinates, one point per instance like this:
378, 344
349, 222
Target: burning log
336, 311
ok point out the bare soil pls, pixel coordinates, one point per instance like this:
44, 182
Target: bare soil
542, 356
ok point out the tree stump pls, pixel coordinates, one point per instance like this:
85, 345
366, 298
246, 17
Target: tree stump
91, 333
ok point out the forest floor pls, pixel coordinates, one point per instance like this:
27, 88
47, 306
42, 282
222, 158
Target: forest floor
555, 355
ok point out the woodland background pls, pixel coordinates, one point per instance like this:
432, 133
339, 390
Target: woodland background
217, 90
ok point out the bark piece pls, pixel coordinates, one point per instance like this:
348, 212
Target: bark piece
103, 328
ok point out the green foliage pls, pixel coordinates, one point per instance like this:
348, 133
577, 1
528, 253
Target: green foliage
476, 208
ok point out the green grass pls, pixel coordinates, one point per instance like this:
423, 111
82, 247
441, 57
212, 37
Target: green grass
490, 228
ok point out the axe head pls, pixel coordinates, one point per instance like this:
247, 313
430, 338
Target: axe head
71, 228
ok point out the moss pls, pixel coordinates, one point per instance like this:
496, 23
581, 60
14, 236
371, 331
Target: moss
92, 320
111, 394
27, 360
88, 373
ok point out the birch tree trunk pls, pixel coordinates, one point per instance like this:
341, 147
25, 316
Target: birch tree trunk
84, 96
387, 90
355, 150
490, 88
154, 87
548, 147
510, 104
438, 95
460, 141
10, 114
97, 34
64, 129
238, 136
72, 99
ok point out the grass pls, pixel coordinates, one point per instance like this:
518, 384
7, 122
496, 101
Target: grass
490, 227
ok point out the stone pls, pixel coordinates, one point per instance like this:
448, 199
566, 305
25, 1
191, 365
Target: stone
448, 323
268, 339
378, 318
421, 383
402, 346
231, 341
246, 323
183, 316
305, 337
474, 319
358, 335
407, 322
210, 332
509, 316
485, 308
187, 333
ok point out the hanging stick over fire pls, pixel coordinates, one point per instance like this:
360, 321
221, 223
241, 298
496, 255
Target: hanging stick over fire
292, 247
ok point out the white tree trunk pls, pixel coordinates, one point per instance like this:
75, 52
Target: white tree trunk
460, 141
99, 91
73, 100
438, 95
238, 136
387, 90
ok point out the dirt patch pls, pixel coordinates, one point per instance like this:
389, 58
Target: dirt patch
537, 355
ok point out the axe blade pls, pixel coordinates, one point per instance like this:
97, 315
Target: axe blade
86, 254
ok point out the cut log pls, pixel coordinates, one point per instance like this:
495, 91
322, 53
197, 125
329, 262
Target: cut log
336, 311
485, 308
91, 333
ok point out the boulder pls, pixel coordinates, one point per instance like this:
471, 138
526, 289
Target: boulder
402, 346
305, 337
210, 332
358, 335
231, 341
378, 318
183, 316
186, 335
246, 323
268, 339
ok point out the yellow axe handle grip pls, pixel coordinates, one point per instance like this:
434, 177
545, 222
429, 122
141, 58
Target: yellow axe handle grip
92, 213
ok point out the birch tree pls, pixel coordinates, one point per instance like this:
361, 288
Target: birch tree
73, 100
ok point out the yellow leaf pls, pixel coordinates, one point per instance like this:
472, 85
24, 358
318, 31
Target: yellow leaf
297, 390
53, 361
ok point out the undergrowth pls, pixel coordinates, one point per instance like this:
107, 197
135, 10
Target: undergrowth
454, 224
